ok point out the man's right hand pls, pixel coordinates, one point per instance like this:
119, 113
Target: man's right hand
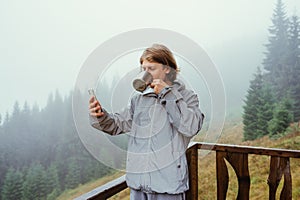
95, 107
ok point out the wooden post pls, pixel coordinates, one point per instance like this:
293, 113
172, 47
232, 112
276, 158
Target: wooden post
192, 160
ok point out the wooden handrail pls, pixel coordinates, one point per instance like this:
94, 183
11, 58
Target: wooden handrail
249, 150
237, 156
105, 191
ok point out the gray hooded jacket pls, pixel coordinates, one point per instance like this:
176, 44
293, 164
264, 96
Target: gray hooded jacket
160, 128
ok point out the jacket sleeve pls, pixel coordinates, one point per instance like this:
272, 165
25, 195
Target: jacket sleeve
183, 110
113, 123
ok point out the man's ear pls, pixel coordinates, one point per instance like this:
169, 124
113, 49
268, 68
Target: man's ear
167, 70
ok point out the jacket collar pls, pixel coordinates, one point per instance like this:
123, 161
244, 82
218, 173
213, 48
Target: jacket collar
178, 84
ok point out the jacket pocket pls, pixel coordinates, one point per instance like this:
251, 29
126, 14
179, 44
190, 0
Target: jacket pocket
181, 165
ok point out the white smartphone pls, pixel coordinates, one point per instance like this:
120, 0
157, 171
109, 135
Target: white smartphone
92, 93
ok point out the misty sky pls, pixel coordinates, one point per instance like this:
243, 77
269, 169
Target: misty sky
44, 43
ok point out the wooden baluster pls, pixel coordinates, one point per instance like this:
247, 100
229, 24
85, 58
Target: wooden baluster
278, 167
192, 160
286, 192
239, 162
222, 175
274, 177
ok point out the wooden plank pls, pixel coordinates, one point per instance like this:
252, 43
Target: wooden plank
249, 150
105, 191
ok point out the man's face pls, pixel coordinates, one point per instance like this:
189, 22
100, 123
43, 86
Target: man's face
157, 70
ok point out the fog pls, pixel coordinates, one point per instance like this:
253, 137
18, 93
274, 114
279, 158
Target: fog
44, 43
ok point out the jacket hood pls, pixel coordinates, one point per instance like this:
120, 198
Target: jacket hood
179, 85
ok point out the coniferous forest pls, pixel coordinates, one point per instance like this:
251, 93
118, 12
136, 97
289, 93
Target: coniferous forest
273, 99
41, 154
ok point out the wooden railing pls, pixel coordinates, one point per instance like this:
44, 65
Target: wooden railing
237, 156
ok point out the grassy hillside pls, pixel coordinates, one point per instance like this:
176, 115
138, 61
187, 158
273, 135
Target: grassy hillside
258, 167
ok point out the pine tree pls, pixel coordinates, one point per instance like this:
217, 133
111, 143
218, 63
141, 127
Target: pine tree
251, 108
34, 186
12, 188
265, 113
282, 117
258, 109
293, 42
15, 118
73, 175
52, 179
6, 119
274, 61
293, 65
296, 97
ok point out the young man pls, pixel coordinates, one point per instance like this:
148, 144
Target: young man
160, 121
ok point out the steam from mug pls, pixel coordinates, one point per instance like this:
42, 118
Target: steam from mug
142, 82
